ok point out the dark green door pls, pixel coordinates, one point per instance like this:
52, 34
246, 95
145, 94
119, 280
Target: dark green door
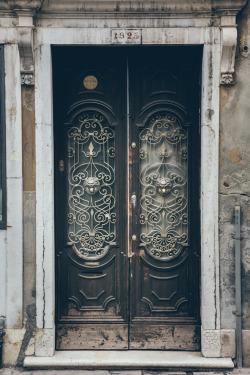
126, 198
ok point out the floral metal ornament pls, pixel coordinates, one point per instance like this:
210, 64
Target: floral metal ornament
164, 186
91, 185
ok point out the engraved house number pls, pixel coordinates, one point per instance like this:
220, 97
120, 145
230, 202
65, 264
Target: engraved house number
125, 36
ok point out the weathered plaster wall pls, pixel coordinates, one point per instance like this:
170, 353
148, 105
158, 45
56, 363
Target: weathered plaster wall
29, 221
234, 182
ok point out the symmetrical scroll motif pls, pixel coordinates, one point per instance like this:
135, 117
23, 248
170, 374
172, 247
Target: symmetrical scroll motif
164, 186
91, 185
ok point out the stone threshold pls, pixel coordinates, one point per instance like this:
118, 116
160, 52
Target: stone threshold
127, 359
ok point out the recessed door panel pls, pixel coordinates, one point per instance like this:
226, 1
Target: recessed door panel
126, 198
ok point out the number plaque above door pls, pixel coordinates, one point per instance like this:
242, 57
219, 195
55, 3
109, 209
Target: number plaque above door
126, 36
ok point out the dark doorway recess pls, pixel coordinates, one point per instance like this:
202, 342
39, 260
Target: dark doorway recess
127, 152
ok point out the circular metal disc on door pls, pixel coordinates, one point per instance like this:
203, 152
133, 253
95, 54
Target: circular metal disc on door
90, 82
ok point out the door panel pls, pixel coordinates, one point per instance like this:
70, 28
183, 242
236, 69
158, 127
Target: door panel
127, 264
164, 261
90, 200
164, 337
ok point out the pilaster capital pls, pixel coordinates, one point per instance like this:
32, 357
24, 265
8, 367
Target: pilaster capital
26, 10
228, 49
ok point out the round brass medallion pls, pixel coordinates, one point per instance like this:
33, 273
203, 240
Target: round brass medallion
90, 82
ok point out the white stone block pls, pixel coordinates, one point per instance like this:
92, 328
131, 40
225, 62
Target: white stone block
44, 342
211, 343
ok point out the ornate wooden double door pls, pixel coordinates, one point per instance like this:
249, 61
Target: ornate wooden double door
126, 197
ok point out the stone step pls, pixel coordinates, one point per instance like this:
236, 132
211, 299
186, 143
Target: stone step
128, 359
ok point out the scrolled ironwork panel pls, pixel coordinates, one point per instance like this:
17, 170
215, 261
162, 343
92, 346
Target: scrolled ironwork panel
91, 185
164, 186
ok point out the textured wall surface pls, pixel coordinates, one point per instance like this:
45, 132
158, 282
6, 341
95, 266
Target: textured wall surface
235, 176
234, 184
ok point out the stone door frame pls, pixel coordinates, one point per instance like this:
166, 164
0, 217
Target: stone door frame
210, 38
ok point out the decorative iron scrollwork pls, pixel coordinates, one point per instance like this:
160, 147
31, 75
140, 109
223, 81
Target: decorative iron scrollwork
164, 186
91, 185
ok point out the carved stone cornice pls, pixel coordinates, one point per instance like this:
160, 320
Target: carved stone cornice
228, 7
25, 5
128, 8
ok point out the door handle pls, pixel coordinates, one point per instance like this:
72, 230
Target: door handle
133, 197
61, 165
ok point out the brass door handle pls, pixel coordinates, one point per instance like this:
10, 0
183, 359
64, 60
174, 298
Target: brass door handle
61, 165
133, 197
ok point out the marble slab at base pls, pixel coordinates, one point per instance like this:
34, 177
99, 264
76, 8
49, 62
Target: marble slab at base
127, 359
